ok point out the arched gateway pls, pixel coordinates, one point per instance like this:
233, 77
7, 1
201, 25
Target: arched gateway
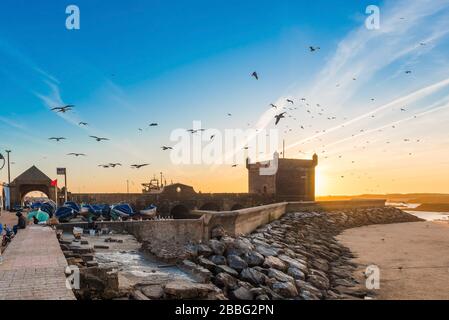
31, 180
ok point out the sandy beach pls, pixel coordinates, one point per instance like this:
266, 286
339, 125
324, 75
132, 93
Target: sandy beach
413, 258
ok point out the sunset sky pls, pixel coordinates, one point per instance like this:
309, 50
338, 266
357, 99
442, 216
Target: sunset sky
375, 127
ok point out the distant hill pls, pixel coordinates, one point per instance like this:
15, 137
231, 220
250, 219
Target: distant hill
433, 207
424, 198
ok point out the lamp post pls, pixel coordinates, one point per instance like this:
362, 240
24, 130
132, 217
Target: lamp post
9, 166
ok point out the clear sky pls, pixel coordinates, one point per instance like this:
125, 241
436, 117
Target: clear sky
174, 62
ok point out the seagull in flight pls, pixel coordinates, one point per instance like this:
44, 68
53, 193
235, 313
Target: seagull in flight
113, 165
76, 154
255, 75
166, 148
154, 124
105, 166
408, 72
313, 49
57, 138
83, 124
63, 109
273, 105
99, 139
290, 101
403, 109
279, 117
138, 166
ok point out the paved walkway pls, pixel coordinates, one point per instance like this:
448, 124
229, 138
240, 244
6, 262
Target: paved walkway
33, 267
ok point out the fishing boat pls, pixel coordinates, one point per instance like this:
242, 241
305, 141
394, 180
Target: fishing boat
91, 213
149, 212
49, 207
121, 211
65, 214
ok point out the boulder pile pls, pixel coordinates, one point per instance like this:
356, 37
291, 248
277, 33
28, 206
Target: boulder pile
295, 257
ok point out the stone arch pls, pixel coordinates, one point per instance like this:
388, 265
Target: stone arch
31, 180
210, 206
180, 211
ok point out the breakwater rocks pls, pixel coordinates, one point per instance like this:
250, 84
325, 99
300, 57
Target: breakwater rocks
295, 257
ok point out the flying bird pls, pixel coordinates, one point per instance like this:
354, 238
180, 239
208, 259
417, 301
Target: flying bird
408, 72
138, 166
83, 124
76, 154
166, 148
63, 109
255, 75
279, 117
57, 138
313, 49
154, 124
105, 166
273, 105
290, 101
98, 138
113, 165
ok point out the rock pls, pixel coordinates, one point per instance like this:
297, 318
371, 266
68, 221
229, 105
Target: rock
266, 251
236, 263
138, 295
64, 247
218, 260
285, 289
154, 292
90, 264
88, 257
279, 276
217, 232
191, 251
226, 269
253, 258
217, 247
318, 282
180, 289
262, 297
296, 273
206, 263
273, 262
253, 276
242, 294
239, 247
199, 273
304, 286
204, 250
98, 246
225, 280
293, 263
81, 250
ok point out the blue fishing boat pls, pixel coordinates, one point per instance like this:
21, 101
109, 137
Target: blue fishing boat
121, 211
65, 214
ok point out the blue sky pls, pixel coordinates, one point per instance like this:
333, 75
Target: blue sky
174, 62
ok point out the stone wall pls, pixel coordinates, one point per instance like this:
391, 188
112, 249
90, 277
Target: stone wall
164, 238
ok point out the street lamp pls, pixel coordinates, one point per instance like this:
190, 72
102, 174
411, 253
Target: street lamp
9, 166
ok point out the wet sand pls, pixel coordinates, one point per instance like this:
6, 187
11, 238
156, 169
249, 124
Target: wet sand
413, 258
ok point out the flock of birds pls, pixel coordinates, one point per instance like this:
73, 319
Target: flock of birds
70, 107
284, 112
